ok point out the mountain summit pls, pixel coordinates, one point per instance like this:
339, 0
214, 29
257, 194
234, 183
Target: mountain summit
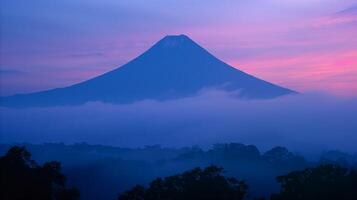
174, 41
175, 67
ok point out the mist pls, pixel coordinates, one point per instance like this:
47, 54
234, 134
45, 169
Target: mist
304, 122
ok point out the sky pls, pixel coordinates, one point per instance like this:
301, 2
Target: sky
305, 45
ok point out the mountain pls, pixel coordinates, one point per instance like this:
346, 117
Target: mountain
174, 67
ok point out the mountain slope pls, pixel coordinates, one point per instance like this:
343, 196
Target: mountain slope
174, 67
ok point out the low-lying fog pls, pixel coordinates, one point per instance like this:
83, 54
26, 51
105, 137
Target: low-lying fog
303, 123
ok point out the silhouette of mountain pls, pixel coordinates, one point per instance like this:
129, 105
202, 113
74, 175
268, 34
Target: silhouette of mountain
174, 67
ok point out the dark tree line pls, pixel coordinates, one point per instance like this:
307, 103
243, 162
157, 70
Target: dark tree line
21, 178
208, 183
325, 182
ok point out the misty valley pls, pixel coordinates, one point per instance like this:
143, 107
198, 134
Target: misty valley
103, 172
151, 150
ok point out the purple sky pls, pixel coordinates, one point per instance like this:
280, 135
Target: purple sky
306, 45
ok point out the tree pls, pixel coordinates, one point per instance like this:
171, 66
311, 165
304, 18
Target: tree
22, 178
203, 184
282, 157
235, 151
323, 182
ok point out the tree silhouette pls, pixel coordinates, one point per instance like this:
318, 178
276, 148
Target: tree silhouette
203, 184
323, 182
22, 178
283, 158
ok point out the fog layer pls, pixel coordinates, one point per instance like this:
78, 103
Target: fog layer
304, 122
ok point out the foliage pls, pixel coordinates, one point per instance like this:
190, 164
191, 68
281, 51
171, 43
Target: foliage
22, 178
208, 183
323, 182
281, 156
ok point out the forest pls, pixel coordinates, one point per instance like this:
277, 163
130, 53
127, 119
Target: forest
224, 171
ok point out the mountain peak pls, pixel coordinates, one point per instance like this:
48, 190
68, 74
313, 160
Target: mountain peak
175, 40
180, 37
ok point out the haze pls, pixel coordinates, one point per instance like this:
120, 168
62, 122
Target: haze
308, 123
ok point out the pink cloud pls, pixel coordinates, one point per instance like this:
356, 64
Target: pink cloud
332, 72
